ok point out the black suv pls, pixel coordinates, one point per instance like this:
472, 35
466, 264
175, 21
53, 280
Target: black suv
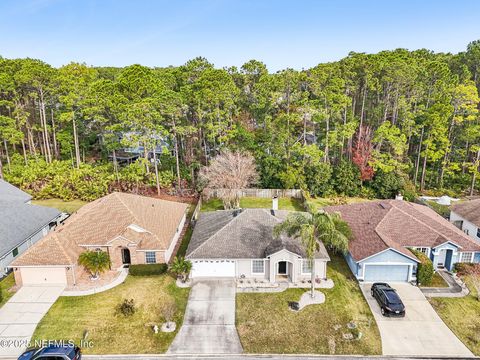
388, 299
57, 352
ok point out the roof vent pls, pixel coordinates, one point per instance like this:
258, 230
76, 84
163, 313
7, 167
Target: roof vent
383, 205
136, 228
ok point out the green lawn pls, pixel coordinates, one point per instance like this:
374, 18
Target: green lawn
110, 332
65, 206
462, 316
284, 203
5, 285
437, 282
266, 325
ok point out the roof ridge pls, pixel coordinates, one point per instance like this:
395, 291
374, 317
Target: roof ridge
116, 193
218, 231
428, 226
378, 224
56, 239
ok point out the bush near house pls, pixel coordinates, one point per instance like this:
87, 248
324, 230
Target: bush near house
463, 269
425, 269
148, 269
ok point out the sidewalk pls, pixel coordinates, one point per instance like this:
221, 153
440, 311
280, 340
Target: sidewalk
455, 288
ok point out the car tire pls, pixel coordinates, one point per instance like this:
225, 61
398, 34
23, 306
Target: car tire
371, 292
382, 310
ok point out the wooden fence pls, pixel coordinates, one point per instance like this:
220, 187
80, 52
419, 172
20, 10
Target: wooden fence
259, 193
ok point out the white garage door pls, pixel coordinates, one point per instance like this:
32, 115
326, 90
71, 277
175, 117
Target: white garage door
43, 275
386, 272
213, 268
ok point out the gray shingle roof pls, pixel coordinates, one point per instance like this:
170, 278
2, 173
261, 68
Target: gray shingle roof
8, 192
245, 234
19, 221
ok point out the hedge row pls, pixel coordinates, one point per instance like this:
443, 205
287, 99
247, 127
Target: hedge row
425, 269
148, 269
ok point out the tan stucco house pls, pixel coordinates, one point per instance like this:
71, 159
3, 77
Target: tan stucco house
132, 229
240, 244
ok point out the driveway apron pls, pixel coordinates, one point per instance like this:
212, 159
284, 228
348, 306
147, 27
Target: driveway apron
209, 323
21, 314
420, 333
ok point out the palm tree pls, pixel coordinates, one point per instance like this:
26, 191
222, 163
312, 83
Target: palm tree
95, 262
313, 227
181, 267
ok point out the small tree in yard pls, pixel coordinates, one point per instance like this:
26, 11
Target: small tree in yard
181, 268
95, 262
168, 311
474, 274
229, 172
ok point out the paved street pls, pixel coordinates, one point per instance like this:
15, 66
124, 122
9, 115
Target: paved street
420, 333
209, 323
21, 314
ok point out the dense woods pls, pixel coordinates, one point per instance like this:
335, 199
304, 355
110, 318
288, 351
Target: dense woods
367, 125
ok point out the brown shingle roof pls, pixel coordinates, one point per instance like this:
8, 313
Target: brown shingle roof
99, 222
469, 210
396, 224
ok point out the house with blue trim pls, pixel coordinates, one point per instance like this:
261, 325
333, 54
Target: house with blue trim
384, 231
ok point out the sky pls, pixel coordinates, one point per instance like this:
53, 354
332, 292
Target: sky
296, 34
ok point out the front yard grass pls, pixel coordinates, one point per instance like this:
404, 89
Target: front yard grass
284, 203
462, 316
65, 206
5, 285
266, 325
437, 282
110, 332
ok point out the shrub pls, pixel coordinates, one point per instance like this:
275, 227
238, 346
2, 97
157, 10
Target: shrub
148, 269
465, 268
425, 268
126, 307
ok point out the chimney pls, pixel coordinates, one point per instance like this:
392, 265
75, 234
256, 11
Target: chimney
275, 203
399, 196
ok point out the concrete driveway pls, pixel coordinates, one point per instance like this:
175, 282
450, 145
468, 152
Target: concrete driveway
421, 332
209, 323
21, 314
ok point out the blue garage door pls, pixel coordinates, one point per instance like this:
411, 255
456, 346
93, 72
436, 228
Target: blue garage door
386, 273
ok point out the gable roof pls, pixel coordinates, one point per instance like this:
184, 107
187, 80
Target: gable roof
242, 234
469, 210
8, 192
397, 224
147, 222
20, 221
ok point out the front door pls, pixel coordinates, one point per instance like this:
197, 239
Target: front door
441, 258
126, 256
282, 268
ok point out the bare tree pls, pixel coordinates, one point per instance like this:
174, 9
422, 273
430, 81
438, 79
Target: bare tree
227, 173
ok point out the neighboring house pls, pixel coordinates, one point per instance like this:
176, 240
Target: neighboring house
8, 192
132, 229
466, 216
21, 223
240, 244
383, 232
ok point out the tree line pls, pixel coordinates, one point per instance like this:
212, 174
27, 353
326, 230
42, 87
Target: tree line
368, 124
